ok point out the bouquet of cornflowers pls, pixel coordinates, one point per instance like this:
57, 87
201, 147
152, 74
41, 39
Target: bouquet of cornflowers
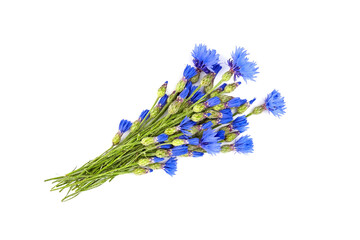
198, 117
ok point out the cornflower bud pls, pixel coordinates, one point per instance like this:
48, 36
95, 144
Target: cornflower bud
155, 111
209, 103
218, 90
150, 140
192, 141
195, 78
141, 171
162, 90
123, 127
235, 102
231, 87
206, 81
189, 72
197, 117
225, 98
135, 126
226, 76
146, 161
245, 106
231, 136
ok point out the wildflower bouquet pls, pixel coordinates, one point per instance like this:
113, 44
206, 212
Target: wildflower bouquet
198, 117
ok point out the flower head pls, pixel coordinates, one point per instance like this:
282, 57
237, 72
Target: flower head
209, 141
183, 95
124, 125
225, 116
162, 101
216, 68
220, 134
162, 138
212, 102
156, 159
170, 166
241, 66
186, 124
165, 146
143, 115
189, 72
244, 145
240, 124
179, 150
195, 154
235, 102
204, 59
275, 103
196, 97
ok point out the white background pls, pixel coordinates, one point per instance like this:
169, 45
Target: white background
71, 70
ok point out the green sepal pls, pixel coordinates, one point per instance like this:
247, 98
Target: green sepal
226, 76
195, 78
155, 166
178, 142
243, 108
226, 148
135, 126
162, 153
219, 107
197, 117
171, 131
230, 137
206, 80
140, 171
174, 107
258, 110
116, 139
147, 141
180, 85
144, 161
199, 108
230, 87
225, 98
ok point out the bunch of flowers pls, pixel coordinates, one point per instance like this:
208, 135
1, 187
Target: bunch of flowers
198, 117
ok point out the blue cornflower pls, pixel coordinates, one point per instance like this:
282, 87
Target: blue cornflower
189, 86
185, 125
240, 124
225, 116
275, 103
209, 141
220, 134
244, 145
192, 141
241, 66
189, 72
196, 97
204, 58
183, 137
161, 138
212, 102
179, 150
235, 102
222, 87
183, 95
143, 115
206, 125
170, 166
162, 101
216, 68
251, 101
165, 146
124, 125
156, 159
195, 154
